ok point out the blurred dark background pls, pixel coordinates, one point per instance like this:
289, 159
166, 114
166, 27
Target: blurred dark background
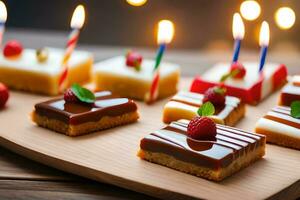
198, 23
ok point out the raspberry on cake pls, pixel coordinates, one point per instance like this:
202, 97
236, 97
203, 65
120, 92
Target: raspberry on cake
281, 127
119, 78
4, 95
12, 49
134, 59
202, 128
252, 88
81, 112
290, 92
36, 73
215, 159
238, 70
184, 105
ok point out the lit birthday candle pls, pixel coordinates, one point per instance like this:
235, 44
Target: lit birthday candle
238, 31
77, 22
264, 38
164, 36
3, 17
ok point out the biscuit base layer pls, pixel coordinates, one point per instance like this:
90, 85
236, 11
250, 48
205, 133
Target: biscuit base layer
43, 83
84, 128
171, 114
136, 88
280, 139
204, 172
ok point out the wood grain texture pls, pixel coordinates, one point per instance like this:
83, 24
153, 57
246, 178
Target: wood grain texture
15, 167
84, 190
21, 178
110, 156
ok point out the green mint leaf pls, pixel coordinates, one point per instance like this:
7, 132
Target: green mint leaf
224, 77
233, 73
219, 90
229, 75
137, 65
207, 109
83, 94
295, 109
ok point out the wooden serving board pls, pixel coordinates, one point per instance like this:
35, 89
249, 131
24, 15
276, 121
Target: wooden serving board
110, 156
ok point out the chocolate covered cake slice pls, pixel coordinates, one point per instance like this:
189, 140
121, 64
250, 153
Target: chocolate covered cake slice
228, 152
78, 118
280, 127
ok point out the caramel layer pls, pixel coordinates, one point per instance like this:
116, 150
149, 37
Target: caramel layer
229, 144
76, 113
282, 115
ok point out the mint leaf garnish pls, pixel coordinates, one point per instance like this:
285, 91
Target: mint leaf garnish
233, 73
295, 109
207, 109
83, 94
220, 90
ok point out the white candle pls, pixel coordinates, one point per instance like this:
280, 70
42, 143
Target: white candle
77, 22
3, 17
164, 36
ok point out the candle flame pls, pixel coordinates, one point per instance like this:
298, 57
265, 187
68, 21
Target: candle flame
264, 35
78, 17
165, 31
238, 27
3, 12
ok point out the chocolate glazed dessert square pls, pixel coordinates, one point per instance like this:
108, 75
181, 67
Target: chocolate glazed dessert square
77, 118
231, 150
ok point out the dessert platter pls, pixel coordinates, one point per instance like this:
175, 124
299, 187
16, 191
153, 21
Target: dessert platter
202, 142
107, 155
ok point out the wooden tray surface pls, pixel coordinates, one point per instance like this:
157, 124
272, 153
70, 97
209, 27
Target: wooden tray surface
110, 156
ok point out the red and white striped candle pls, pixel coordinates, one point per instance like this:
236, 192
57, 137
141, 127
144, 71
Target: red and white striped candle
3, 17
76, 24
164, 36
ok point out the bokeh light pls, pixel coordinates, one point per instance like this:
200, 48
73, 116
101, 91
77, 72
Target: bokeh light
285, 17
136, 2
250, 10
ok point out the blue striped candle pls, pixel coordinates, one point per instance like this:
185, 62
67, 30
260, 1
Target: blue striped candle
264, 38
238, 31
263, 55
159, 55
237, 47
